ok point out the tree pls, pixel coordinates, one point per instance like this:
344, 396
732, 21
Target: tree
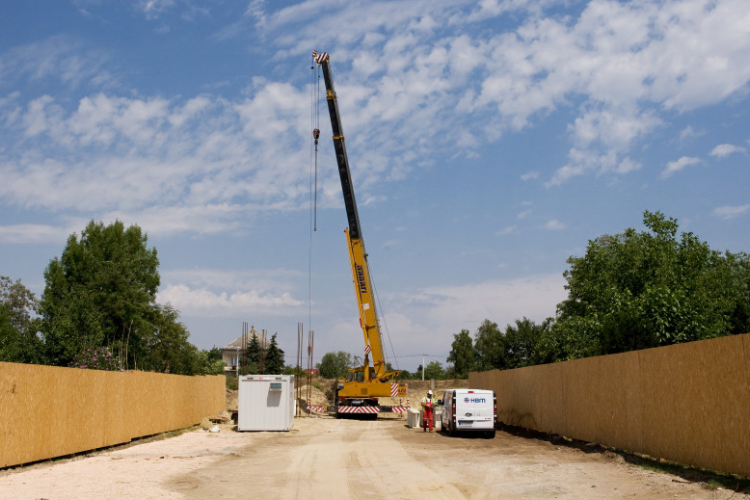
335, 365
8, 335
462, 354
165, 347
524, 343
489, 346
214, 354
274, 357
637, 290
19, 341
434, 371
208, 364
253, 355
100, 292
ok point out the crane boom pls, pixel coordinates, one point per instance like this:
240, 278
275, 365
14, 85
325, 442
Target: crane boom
365, 381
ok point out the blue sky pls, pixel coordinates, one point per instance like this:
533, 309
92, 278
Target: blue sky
488, 142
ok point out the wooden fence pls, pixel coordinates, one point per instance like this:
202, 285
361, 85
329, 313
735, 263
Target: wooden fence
48, 411
688, 403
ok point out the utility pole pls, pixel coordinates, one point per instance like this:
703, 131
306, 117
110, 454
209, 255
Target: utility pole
423, 355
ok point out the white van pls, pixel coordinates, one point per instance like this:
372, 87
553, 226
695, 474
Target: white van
470, 410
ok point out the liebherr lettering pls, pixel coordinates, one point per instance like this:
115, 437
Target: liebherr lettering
361, 279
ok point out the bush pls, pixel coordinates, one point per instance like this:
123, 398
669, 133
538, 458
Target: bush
232, 382
99, 358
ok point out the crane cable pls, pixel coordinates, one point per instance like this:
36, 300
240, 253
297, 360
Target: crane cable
382, 316
315, 125
315, 112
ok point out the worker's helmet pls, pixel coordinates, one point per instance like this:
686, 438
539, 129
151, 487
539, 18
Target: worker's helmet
429, 393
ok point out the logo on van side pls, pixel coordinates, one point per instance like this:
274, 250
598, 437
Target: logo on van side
474, 400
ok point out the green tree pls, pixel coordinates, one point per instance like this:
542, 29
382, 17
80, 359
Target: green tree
19, 340
274, 357
434, 371
205, 363
524, 343
100, 292
253, 356
214, 354
637, 290
489, 346
165, 347
9, 336
335, 365
462, 355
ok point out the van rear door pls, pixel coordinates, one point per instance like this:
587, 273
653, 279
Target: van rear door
475, 410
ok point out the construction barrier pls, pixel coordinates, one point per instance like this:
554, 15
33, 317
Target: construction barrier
48, 411
688, 403
359, 409
413, 418
311, 408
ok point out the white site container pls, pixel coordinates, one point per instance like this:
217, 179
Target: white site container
266, 403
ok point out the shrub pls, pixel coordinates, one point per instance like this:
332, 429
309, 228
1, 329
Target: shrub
99, 358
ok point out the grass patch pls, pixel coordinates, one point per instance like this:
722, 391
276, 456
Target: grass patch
232, 382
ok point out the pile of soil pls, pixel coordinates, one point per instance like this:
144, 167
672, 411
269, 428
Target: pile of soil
232, 399
317, 397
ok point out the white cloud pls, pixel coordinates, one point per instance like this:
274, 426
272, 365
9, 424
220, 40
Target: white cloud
555, 225
729, 212
203, 292
690, 133
507, 230
206, 303
257, 10
203, 155
406, 87
723, 150
61, 58
677, 165
152, 9
436, 313
34, 233
582, 161
624, 62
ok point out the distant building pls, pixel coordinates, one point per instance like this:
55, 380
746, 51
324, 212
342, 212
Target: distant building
232, 352
312, 372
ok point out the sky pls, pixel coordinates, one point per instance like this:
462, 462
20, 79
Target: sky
488, 142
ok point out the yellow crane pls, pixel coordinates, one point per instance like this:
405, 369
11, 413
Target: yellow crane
364, 384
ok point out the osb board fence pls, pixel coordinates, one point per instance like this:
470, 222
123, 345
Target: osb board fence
688, 403
48, 411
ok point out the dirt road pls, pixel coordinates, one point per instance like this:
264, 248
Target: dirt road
328, 458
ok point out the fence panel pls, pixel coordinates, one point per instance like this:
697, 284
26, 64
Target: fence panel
48, 411
689, 403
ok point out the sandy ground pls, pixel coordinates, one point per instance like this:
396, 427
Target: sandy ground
350, 459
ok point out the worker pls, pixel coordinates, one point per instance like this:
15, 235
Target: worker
427, 406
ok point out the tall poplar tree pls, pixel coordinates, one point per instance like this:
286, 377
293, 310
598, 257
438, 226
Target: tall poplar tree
100, 293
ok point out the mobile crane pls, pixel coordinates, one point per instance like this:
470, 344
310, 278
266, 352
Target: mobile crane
364, 384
